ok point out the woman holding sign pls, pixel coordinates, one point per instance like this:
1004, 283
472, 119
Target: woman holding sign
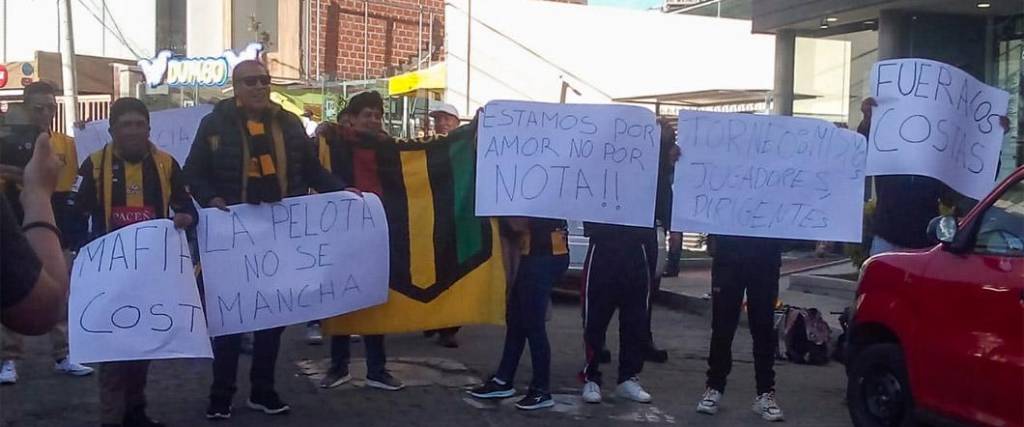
129, 181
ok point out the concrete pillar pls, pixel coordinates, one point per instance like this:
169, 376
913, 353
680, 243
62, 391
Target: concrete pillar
785, 53
892, 34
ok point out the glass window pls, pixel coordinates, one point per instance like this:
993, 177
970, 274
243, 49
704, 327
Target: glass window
1001, 231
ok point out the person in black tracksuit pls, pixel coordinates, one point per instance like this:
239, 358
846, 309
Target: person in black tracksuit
750, 266
618, 275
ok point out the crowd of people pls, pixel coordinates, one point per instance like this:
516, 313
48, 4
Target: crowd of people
249, 150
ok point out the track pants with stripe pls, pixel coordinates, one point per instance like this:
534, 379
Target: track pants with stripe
618, 275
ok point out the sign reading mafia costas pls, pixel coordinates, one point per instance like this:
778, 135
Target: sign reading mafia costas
179, 70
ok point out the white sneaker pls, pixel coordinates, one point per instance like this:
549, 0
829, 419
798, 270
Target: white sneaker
709, 403
632, 390
66, 366
8, 373
766, 405
313, 334
591, 392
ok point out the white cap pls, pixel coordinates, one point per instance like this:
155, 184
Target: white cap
441, 107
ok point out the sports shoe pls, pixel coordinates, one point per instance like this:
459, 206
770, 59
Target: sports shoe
492, 389
313, 334
8, 373
766, 405
335, 378
631, 389
66, 366
269, 404
655, 355
385, 382
709, 403
136, 417
218, 411
535, 400
591, 392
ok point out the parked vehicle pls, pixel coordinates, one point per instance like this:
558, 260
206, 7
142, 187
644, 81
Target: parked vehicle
938, 334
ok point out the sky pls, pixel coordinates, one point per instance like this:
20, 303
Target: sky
628, 4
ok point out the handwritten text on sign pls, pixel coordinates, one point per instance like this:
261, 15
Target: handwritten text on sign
586, 162
134, 297
768, 176
170, 130
935, 120
305, 258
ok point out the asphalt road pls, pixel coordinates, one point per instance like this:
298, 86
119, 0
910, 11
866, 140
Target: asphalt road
809, 395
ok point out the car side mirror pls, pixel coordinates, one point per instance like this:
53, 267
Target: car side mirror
942, 229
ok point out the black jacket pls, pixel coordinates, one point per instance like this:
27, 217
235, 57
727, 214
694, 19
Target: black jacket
215, 167
745, 251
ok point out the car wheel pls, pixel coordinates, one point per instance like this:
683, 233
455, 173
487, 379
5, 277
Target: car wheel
877, 390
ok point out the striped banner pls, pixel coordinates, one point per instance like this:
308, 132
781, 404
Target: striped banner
446, 264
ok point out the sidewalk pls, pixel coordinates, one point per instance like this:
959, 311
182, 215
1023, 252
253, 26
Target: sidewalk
691, 291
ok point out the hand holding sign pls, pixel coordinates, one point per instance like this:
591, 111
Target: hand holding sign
134, 297
935, 120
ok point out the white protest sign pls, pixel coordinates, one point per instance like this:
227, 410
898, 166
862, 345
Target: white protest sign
768, 176
134, 297
305, 258
170, 130
586, 162
935, 120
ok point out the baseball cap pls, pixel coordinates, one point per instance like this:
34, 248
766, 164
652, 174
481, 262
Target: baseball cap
441, 107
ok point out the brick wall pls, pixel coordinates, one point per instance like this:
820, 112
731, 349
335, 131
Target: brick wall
392, 34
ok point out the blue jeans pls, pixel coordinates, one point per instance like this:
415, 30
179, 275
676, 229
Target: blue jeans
375, 359
527, 305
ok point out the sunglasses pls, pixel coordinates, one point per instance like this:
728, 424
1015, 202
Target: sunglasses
253, 81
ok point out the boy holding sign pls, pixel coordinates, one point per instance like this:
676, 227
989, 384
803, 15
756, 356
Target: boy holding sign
130, 181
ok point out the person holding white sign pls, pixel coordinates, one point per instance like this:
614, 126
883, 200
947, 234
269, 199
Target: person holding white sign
130, 181
906, 203
249, 150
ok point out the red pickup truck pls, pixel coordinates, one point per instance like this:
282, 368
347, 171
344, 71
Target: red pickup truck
938, 334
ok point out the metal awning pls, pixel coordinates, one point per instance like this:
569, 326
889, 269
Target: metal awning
708, 98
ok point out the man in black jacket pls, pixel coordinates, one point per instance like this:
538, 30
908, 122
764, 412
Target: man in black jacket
249, 150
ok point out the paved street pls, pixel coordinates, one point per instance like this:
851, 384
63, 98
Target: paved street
810, 395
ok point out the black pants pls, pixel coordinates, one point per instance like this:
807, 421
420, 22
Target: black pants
225, 364
341, 353
729, 281
618, 275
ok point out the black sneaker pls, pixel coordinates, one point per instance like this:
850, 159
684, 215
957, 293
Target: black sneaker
335, 378
385, 381
493, 390
137, 417
269, 404
535, 400
655, 355
218, 411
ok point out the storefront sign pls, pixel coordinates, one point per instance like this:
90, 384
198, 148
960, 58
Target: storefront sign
178, 70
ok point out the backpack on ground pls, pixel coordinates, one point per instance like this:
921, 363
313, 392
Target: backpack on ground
806, 336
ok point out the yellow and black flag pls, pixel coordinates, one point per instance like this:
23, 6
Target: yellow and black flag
446, 263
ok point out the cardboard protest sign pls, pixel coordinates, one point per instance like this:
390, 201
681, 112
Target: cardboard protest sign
768, 176
170, 130
134, 297
935, 120
587, 162
304, 258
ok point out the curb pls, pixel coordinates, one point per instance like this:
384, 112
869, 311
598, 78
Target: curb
823, 285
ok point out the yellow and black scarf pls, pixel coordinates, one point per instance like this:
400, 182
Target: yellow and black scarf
131, 192
263, 185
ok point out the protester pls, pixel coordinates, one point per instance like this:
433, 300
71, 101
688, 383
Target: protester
130, 181
35, 275
618, 274
545, 258
743, 265
41, 103
364, 112
446, 119
905, 204
668, 157
279, 161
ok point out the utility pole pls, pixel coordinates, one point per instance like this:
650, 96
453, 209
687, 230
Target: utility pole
67, 60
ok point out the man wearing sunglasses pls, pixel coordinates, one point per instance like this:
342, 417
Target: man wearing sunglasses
249, 150
41, 107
